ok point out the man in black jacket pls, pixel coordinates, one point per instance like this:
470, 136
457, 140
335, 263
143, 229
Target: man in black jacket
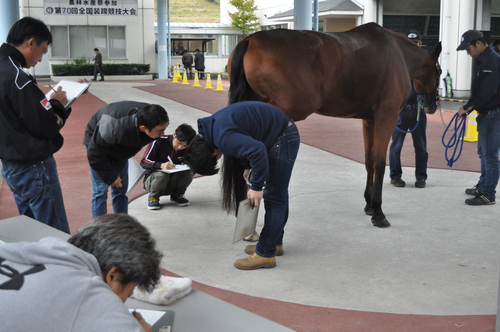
162, 156
98, 65
485, 99
30, 126
114, 134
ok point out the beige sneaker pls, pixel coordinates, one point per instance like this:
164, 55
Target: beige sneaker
254, 262
250, 249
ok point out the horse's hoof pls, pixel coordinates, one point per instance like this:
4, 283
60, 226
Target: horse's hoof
369, 211
381, 223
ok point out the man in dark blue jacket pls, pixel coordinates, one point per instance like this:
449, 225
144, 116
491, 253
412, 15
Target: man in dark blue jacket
30, 126
259, 137
485, 99
114, 134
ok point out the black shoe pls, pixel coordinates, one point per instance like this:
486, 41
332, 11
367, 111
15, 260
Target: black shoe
472, 191
102, 79
480, 199
93, 79
420, 183
398, 183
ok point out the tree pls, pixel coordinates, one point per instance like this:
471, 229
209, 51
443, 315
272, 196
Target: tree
244, 18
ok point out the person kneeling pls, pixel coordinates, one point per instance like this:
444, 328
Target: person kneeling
160, 159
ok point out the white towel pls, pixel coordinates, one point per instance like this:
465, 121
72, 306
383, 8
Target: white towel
167, 291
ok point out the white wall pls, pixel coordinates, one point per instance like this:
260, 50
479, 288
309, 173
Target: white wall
139, 30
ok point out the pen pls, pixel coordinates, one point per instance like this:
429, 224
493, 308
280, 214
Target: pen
170, 159
134, 312
52, 88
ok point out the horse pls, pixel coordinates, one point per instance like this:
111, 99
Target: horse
363, 73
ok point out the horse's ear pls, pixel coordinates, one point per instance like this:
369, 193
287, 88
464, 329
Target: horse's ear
437, 50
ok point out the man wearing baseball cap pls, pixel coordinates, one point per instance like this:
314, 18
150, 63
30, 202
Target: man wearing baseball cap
414, 120
485, 99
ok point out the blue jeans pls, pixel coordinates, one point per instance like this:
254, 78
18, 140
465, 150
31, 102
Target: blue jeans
37, 191
408, 120
281, 160
100, 190
488, 147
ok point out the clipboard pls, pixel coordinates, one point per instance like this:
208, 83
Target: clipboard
177, 168
135, 174
73, 90
160, 321
246, 220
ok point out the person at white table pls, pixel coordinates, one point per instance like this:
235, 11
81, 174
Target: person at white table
82, 284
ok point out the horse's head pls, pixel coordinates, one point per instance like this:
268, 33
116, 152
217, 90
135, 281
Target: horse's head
426, 82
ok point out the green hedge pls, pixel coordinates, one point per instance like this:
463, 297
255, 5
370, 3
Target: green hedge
109, 69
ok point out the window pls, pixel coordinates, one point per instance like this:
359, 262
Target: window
75, 42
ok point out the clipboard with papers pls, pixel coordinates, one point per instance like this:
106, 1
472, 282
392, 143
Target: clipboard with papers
73, 90
177, 168
160, 321
246, 220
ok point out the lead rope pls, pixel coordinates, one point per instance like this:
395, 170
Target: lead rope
456, 140
419, 109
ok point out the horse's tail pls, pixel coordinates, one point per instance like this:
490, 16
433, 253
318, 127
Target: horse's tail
239, 90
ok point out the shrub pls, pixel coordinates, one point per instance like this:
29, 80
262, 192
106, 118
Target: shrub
86, 69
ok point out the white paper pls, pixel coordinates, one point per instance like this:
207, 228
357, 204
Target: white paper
177, 168
150, 316
73, 90
135, 174
246, 220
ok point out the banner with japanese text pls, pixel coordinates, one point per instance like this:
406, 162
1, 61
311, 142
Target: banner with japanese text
90, 7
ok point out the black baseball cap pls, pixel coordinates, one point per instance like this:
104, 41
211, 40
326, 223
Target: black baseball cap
468, 37
413, 36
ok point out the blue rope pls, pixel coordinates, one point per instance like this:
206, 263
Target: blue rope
416, 124
456, 140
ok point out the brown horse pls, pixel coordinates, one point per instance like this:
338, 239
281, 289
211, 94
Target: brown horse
363, 73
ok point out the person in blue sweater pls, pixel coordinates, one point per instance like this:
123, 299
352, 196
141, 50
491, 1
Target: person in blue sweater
252, 136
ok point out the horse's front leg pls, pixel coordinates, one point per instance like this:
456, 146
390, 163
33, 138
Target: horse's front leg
375, 154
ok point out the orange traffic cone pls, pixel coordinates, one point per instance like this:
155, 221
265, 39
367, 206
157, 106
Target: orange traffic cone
219, 84
196, 80
208, 85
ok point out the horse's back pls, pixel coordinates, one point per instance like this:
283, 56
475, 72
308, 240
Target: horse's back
338, 74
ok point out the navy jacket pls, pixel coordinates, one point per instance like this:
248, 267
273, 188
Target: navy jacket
246, 130
113, 134
29, 123
485, 94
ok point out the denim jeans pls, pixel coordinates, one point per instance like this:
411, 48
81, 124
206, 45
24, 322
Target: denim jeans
281, 160
100, 188
37, 191
488, 147
408, 120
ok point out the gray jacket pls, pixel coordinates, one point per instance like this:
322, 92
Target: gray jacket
54, 286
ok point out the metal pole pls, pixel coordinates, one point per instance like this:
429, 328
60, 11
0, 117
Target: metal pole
9, 14
302, 15
162, 40
169, 43
316, 16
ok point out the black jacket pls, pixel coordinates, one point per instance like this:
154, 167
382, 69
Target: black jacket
29, 123
113, 134
158, 152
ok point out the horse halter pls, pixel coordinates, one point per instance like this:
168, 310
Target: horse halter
422, 98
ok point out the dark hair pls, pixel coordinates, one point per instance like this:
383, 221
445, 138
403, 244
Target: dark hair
185, 133
234, 187
96, 49
482, 40
151, 116
26, 28
119, 240
197, 50
199, 156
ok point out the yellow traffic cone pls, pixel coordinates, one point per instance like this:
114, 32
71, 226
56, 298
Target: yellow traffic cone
175, 78
196, 80
185, 78
208, 85
471, 130
179, 77
219, 84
